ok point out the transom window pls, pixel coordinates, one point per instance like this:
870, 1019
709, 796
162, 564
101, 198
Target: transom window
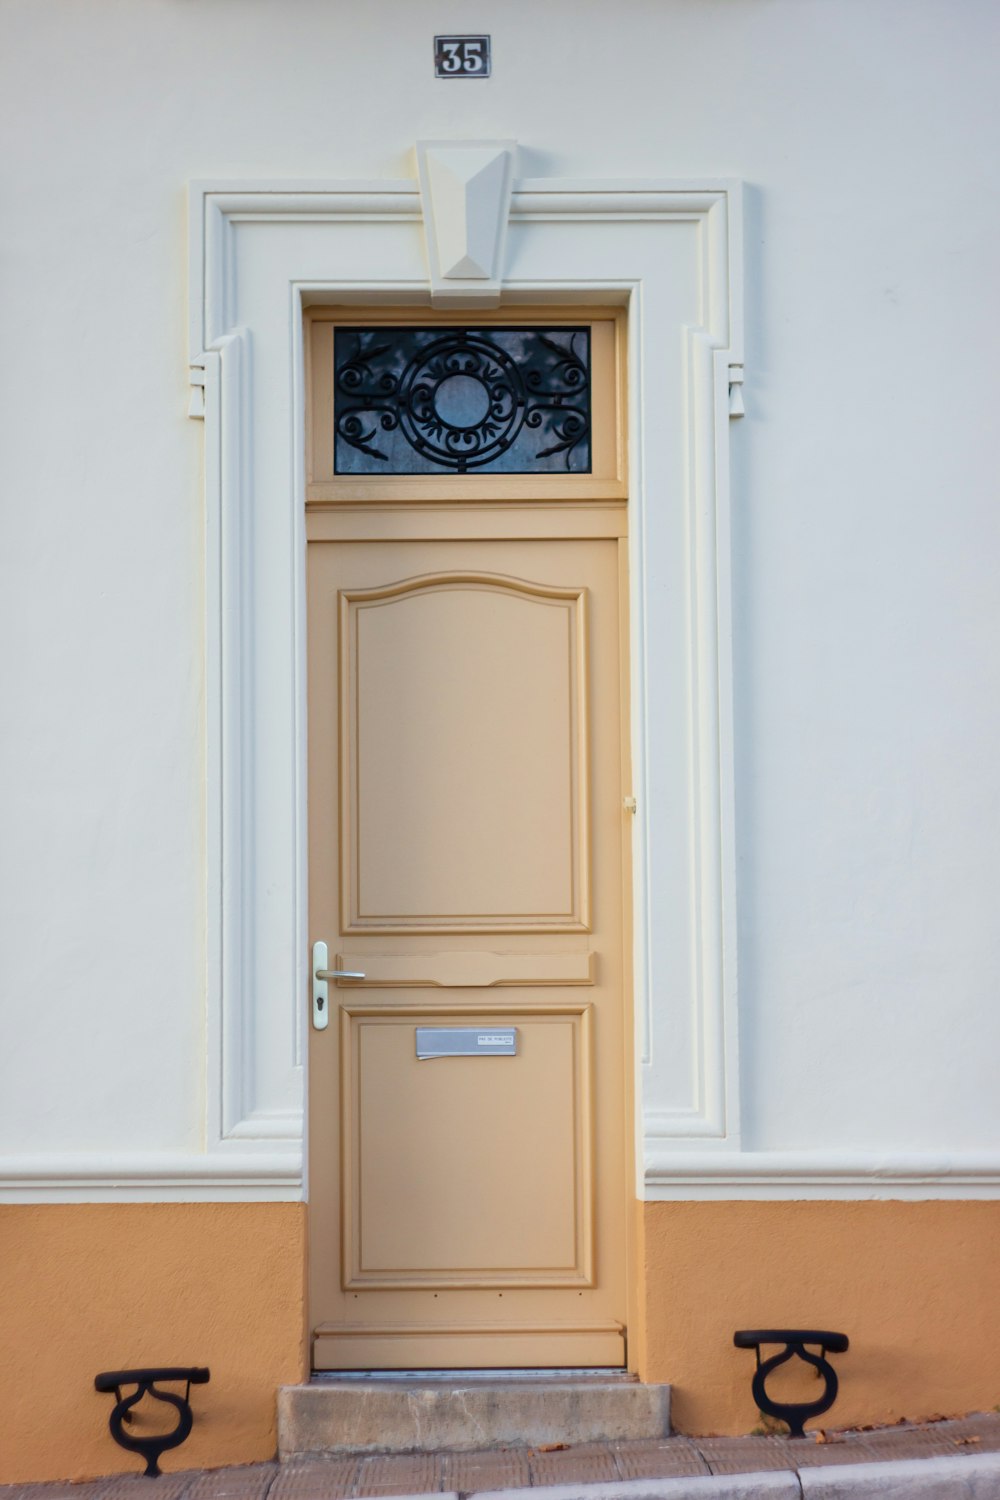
429, 400
522, 404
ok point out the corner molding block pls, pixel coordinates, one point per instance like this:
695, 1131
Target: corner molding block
196, 403
465, 190
736, 406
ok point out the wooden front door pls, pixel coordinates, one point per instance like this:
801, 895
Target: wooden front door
468, 1096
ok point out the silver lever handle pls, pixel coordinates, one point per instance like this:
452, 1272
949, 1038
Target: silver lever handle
321, 977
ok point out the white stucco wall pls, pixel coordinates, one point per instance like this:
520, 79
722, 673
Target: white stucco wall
866, 527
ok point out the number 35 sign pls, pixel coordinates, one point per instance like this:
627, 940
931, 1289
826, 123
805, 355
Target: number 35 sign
462, 56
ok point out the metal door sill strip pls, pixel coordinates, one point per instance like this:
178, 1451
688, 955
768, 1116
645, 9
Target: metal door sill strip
599, 1375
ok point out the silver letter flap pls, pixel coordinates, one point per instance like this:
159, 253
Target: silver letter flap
466, 1041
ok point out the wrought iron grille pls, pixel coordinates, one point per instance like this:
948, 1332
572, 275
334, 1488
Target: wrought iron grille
459, 400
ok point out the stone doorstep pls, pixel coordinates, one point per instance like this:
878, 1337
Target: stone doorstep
433, 1416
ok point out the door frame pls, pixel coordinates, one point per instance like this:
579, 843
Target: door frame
484, 512
261, 252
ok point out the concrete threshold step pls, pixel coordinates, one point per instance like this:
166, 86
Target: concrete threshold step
462, 1410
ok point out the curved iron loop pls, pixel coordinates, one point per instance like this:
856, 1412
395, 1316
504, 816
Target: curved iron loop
795, 1413
145, 1382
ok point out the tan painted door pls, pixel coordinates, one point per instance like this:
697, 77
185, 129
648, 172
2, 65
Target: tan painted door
466, 854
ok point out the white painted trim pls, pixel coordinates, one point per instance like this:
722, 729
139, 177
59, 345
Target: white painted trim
670, 1175
152, 1177
725, 1176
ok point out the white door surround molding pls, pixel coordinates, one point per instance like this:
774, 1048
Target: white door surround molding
262, 252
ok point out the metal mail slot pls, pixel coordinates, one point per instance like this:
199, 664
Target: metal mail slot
466, 1041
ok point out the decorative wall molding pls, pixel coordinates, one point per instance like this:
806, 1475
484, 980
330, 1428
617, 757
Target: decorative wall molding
151, 1177
670, 1175
674, 1176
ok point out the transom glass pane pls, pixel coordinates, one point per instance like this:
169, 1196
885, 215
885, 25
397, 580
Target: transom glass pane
461, 400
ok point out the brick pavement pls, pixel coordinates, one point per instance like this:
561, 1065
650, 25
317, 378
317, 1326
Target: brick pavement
377, 1475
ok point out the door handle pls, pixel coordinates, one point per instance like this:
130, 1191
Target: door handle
321, 977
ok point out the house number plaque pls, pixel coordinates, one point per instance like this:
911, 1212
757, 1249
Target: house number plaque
461, 57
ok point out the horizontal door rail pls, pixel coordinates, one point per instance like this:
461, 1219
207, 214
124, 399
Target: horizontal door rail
469, 970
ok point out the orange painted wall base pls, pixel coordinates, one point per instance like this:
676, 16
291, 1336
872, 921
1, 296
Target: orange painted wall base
916, 1286
89, 1287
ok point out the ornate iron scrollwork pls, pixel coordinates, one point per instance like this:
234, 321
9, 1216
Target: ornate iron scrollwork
427, 400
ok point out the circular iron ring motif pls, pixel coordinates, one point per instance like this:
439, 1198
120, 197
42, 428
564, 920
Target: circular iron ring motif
427, 406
